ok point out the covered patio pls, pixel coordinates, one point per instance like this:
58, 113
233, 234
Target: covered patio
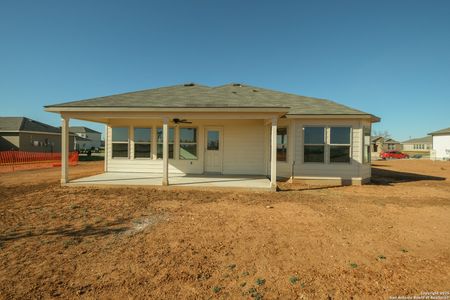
153, 179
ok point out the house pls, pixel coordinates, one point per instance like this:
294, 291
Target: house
423, 144
87, 138
382, 144
441, 144
21, 133
234, 129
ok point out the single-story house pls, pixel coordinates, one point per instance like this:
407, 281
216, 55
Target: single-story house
441, 144
234, 129
423, 144
21, 133
382, 144
87, 138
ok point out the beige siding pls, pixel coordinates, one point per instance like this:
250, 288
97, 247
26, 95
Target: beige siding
329, 170
246, 149
243, 148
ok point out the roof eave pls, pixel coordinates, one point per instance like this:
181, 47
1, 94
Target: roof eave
60, 109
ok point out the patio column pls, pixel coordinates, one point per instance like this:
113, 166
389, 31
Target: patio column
273, 155
64, 149
165, 180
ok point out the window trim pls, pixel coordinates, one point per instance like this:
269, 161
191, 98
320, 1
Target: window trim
327, 144
350, 149
143, 143
190, 143
120, 142
325, 133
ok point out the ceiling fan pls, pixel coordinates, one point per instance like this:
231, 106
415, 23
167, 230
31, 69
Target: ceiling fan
180, 121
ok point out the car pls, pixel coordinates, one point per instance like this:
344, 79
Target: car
393, 154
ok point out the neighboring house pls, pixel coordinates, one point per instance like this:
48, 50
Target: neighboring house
381, 144
81, 143
230, 129
89, 138
423, 144
20, 133
441, 144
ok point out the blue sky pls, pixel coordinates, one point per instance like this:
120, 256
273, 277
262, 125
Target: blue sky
389, 58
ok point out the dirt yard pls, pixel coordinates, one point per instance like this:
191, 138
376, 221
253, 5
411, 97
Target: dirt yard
389, 238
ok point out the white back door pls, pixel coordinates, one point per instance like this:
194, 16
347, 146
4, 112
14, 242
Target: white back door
213, 149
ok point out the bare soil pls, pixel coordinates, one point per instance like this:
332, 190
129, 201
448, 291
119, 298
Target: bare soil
387, 238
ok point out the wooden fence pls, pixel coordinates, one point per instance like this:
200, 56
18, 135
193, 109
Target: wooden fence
11, 161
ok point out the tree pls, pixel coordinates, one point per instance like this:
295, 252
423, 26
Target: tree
385, 134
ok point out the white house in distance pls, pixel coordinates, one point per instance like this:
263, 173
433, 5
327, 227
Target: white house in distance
88, 138
229, 130
441, 144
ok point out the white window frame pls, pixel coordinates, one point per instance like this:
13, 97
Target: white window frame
143, 143
329, 144
190, 143
325, 138
120, 142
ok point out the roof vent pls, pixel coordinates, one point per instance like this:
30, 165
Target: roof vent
237, 84
189, 84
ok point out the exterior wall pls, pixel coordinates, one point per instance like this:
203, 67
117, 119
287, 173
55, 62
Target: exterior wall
9, 141
355, 171
243, 148
414, 147
441, 146
246, 150
40, 142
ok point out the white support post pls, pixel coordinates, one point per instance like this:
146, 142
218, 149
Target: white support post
64, 149
273, 156
106, 157
165, 180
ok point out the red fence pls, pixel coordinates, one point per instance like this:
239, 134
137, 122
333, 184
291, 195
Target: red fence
11, 161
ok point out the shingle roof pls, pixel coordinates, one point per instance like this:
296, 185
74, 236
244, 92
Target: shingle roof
25, 124
226, 96
391, 141
424, 140
442, 131
79, 129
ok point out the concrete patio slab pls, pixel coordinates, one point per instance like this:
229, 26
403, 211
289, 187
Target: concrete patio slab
152, 179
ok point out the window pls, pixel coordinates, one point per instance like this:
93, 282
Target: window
391, 146
340, 144
281, 144
314, 144
366, 154
142, 142
188, 143
213, 140
120, 142
159, 145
